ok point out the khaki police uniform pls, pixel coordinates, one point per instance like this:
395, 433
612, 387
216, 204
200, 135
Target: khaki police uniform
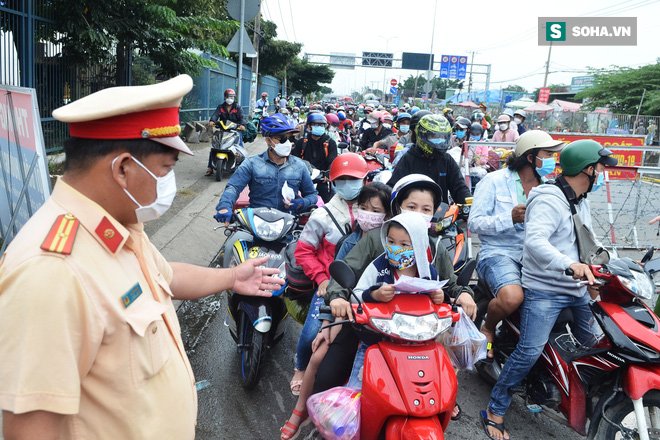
87, 324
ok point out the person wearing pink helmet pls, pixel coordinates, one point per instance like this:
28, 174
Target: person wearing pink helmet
377, 130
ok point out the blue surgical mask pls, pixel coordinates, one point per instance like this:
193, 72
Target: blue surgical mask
348, 189
548, 166
599, 182
317, 130
475, 138
399, 256
460, 134
404, 128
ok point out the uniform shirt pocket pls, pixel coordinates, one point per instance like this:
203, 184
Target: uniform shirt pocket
148, 345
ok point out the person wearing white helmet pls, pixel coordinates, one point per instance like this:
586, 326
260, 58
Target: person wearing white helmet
498, 216
505, 133
519, 117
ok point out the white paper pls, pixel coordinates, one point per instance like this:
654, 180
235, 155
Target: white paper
287, 192
406, 284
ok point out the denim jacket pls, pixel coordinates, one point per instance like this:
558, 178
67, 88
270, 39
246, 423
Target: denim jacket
265, 179
490, 216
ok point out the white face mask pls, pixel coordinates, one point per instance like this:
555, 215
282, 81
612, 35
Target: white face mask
427, 217
504, 127
518, 121
229, 101
283, 150
387, 125
165, 192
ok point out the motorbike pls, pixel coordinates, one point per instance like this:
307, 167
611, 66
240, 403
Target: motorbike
256, 323
613, 381
408, 383
379, 166
226, 149
455, 239
257, 116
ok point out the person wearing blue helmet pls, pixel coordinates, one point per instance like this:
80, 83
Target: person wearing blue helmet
319, 149
266, 173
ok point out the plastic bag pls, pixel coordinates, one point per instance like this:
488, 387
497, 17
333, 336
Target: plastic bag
336, 413
287, 192
464, 344
250, 133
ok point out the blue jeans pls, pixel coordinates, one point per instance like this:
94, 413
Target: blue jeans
499, 271
355, 381
308, 333
538, 314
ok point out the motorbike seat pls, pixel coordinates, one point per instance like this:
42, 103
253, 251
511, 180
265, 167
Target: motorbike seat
565, 317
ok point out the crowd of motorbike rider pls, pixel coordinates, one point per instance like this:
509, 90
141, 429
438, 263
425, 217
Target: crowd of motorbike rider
523, 221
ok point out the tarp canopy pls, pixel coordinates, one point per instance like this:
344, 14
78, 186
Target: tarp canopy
520, 103
468, 104
566, 106
538, 107
494, 97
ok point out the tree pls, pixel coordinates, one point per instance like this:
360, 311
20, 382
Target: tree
162, 30
307, 78
621, 88
515, 88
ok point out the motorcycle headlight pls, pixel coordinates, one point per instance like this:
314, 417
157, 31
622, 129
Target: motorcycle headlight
446, 222
268, 231
412, 328
641, 285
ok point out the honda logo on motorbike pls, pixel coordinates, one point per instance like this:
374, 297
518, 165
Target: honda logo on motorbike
418, 358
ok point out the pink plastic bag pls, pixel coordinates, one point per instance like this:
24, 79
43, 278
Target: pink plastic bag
336, 413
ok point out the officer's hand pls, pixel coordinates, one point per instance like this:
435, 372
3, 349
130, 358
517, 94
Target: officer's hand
252, 280
211, 123
241, 127
224, 215
518, 214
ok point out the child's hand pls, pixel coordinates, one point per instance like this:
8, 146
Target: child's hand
437, 296
384, 293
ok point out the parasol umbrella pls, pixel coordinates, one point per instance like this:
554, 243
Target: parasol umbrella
346, 99
538, 107
520, 103
468, 104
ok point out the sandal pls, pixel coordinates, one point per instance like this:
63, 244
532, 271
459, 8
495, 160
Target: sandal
459, 414
291, 431
209, 171
296, 384
486, 422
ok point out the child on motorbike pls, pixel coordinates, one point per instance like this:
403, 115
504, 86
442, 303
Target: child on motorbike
406, 244
373, 208
316, 247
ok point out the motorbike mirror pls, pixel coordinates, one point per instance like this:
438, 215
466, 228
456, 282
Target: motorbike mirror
466, 273
440, 213
648, 255
343, 274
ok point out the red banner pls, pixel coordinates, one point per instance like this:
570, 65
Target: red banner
628, 160
544, 95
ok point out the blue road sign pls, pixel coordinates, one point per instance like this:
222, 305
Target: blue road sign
393, 90
453, 66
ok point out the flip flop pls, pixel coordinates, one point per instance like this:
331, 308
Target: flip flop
486, 422
459, 414
208, 172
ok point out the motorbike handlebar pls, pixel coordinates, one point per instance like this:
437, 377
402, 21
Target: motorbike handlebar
325, 309
569, 272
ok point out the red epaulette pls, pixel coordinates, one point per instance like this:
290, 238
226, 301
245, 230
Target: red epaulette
62, 235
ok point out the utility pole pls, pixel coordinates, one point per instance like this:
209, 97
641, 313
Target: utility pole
255, 61
239, 64
547, 66
470, 80
428, 87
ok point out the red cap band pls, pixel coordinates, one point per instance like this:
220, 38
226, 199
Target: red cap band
163, 122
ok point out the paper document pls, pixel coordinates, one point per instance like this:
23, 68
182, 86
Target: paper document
406, 284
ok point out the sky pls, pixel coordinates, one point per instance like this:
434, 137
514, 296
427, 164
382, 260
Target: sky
503, 35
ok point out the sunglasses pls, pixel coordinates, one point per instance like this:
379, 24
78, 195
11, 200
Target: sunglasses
279, 140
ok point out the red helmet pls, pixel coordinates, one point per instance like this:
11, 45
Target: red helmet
350, 165
263, 94
332, 119
386, 116
230, 92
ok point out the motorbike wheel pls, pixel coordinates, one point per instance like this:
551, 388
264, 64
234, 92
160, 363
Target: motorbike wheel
624, 415
219, 168
253, 346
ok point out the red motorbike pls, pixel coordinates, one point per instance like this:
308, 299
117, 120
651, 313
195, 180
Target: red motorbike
614, 381
408, 383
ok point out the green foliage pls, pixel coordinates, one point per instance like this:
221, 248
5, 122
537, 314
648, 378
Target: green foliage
621, 88
307, 78
275, 56
409, 83
162, 30
144, 71
515, 88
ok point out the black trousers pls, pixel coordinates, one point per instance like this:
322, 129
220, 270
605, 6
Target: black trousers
326, 191
335, 369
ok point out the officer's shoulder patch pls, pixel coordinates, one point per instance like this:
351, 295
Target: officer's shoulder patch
62, 235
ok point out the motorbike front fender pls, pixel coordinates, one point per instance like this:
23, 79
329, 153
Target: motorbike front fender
639, 379
259, 314
224, 156
408, 428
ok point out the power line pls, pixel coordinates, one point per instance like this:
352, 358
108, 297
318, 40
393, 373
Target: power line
293, 23
270, 17
282, 17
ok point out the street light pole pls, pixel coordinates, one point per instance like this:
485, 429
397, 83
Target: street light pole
428, 75
387, 45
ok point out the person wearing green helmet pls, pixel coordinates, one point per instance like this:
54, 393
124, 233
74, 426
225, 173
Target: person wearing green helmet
429, 156
549, 248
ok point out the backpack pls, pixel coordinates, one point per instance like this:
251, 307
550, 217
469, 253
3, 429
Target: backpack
250, 132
